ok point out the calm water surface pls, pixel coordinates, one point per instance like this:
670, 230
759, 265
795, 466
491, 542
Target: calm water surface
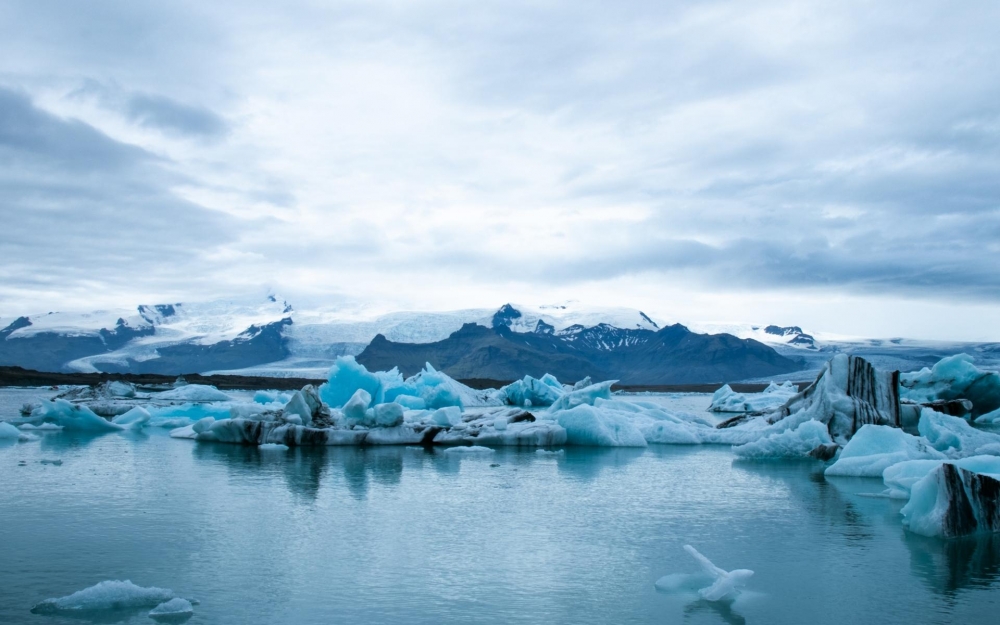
400, 535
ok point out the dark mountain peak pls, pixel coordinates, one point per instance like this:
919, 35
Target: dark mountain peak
505, 316
17, 324
273, 328
799, 337
154, 314
783, 330
648, 320
544, 328
472, 330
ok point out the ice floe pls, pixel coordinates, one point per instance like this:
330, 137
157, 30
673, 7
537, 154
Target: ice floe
172, 610
106, 595
718, 584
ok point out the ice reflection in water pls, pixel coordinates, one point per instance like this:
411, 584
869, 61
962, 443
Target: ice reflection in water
402, 535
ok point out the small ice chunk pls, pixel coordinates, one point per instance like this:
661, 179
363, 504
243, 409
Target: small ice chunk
74, 417
356, 407
470, 449
272, 447
173, 608
106, 595
727, 583
135, 418
447, 417
9, 432
388, 415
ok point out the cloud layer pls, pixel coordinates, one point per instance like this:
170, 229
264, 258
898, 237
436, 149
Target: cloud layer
692, 158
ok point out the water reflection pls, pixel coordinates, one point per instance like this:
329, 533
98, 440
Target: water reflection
302, 468
587, 463
722, 609
947, 566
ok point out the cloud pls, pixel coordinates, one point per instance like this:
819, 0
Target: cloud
362, 147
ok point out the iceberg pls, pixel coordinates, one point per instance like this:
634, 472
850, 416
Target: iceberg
951, 501
955, 437
900, 477
133, 419
589, 426
8, 432
774, 396
797, 443
192, 393
877, 447
171, 610
531, 392
106, 595
76, 417
723, 584
356, 408
848, 394
345, 378
584, 396
471, 449
954, 377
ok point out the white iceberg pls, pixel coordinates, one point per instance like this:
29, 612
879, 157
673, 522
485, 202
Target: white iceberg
877, 447
797, 443
193, 393
723, 584
774, 396
172, 609
106, 595
134, 419
471, 449
900, 477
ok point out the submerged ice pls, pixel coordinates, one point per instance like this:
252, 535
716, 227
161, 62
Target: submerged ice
106, 595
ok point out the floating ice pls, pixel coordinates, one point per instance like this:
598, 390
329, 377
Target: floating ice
795, 443
74, 417
951, 501
533, 392
193, 393
586, 425
174, 608
388, 415
107, 595
901, 476
955, 437
471, 449
774, 396
724, 584
990, 418
346, 377
877, 447
356, 408
273, 447
272, 397
954, 377
848, 394
584, 396
133, 419
9, 432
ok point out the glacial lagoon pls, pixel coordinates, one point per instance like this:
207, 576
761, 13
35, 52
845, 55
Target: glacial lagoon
408, 535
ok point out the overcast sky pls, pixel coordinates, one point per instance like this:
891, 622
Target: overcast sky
834, 165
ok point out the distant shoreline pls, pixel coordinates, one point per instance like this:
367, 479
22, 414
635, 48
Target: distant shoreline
18, 376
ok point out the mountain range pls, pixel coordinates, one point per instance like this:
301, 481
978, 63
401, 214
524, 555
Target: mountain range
268, 336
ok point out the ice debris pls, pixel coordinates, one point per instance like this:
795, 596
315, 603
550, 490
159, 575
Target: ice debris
8, 432
723, 585
170, 610
106, 595
774, 396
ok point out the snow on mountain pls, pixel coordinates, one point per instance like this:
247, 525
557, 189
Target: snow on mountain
561, 317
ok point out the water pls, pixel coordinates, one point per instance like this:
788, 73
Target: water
400, 535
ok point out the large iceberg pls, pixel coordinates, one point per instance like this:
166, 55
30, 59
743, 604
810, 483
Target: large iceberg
951, 501
954, 377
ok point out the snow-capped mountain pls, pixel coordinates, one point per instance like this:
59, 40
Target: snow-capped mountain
268, 336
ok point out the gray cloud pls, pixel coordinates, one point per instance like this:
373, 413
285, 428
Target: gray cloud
764, 145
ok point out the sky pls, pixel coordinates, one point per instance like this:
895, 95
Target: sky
833, 165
